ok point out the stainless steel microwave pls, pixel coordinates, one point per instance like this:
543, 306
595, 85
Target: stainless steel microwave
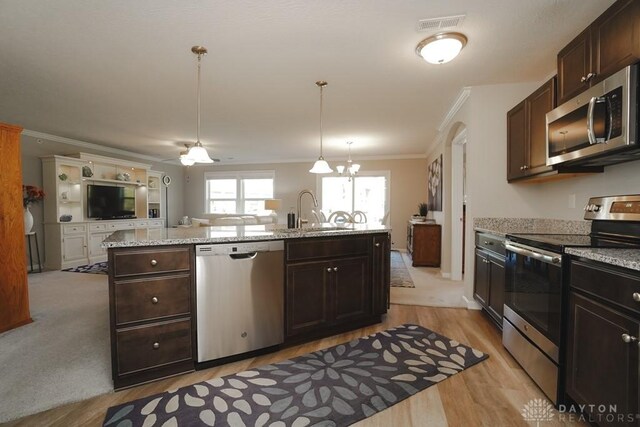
599, 126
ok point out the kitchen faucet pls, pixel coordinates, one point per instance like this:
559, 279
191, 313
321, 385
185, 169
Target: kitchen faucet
299, 220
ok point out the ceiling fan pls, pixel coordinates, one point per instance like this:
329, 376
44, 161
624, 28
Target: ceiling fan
182, 155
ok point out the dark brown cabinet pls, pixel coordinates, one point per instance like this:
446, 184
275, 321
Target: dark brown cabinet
609, 44
602, 344
424, 241
336, 289
381, 272
489, 275
527, 133
151, 296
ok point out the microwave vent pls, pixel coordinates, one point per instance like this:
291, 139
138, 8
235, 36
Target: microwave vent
436, 24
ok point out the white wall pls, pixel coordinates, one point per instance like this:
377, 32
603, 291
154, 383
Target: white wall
489, 194
32, 150
408, 188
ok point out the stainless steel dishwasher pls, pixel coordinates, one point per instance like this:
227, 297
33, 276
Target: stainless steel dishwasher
240, 297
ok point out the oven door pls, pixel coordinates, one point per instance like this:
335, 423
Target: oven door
533, 295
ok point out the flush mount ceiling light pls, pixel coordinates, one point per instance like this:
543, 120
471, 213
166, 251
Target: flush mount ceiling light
321, 165
441, 48
197, 153
352, 168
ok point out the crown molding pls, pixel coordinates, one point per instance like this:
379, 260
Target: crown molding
90, 145
328, 159
455, 107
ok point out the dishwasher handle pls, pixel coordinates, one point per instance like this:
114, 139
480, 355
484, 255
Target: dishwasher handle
248, 255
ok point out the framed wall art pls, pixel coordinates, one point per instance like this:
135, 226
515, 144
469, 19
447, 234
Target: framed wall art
434, 185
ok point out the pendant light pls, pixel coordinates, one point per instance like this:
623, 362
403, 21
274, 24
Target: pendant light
321, 165
184, 159
352, 168
197, 153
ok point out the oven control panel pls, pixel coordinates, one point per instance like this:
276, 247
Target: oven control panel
622, 208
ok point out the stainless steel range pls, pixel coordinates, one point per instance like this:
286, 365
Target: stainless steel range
536, 292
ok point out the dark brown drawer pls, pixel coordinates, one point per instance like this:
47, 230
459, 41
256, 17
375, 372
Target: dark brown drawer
490, 242
153, 345
608, 284
152, 298
304, 249
140, 262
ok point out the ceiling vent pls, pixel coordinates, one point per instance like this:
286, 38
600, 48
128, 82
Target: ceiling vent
436, 24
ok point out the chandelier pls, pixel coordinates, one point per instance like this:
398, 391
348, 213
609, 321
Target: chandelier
352, 168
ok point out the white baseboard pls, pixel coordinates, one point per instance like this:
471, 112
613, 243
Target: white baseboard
471, 303
445, 275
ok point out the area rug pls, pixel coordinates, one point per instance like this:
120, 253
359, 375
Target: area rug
337, 386
97, 268
400, 277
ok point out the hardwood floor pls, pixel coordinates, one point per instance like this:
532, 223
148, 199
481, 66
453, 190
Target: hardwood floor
492, 393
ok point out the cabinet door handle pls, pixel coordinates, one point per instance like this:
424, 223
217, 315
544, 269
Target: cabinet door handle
590, 76
154, 300
486, 242
335, 268
154, 262
156, 345
377, 245
629, 338
583, 79
329, 269
521, 168
636, 296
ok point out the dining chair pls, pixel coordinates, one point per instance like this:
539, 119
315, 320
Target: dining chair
359, 217
340, 216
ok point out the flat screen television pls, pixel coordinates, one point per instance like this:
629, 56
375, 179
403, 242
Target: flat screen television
105, 202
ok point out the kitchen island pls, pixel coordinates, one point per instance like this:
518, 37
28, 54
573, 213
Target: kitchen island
335, 278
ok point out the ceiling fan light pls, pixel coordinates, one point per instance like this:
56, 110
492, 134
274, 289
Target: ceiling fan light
321, 166
198, 154
441, 48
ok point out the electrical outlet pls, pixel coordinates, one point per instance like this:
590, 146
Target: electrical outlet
572, 201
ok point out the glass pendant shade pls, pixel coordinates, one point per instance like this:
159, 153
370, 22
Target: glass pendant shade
340, 169
186, 161
321, 166
441, 48
198, 154
354, 168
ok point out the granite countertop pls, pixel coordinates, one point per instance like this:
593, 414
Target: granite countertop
504, 226
229, 234
627, 258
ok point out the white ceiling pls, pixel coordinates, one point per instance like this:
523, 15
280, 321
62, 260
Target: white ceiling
121, 73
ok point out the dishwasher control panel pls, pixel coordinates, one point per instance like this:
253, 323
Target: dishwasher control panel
239, 248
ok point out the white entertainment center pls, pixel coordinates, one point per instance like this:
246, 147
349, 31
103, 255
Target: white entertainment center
71, 237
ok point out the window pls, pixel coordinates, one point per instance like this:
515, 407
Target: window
368, 192
238, 192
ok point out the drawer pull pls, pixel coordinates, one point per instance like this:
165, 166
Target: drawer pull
329, 269
629, 338
335, 268
636, 296
156, 345
154, 300
154, 262
377, 245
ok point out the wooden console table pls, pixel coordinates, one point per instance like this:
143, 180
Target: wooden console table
423, 243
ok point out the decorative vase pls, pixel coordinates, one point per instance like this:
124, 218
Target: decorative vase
28, 220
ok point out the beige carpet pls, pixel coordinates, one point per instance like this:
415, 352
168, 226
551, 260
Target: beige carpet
431, 289
64, 355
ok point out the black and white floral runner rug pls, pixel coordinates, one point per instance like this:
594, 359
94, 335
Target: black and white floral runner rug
337, 386
97, 268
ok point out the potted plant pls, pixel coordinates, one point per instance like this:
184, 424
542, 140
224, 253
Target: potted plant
30, 194
423, 209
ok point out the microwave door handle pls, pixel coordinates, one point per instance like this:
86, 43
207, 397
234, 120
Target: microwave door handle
540, 257
590, 112
610, 117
